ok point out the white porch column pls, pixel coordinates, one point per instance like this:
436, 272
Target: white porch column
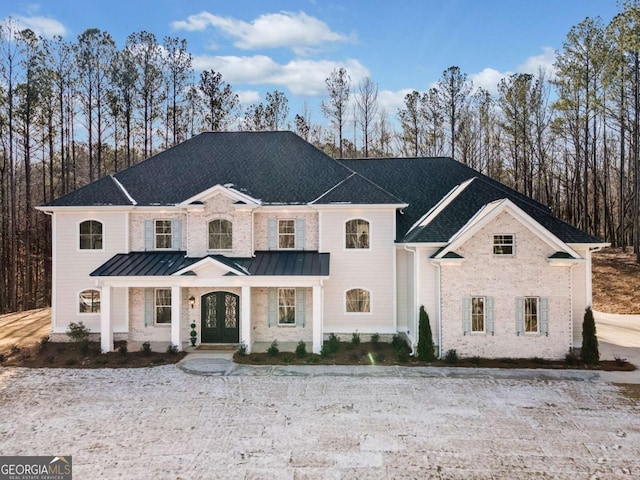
245, 317
106, 330
176, 307
317, 319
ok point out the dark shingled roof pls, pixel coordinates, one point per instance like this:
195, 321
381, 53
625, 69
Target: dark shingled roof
423, 182
282, 168
141, 264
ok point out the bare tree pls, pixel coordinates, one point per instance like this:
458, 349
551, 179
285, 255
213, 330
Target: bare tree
366, 109
338, 87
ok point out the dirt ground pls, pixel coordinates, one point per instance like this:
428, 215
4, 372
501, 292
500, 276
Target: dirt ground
616, 282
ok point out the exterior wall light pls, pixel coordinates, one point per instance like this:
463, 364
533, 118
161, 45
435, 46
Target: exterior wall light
192, 301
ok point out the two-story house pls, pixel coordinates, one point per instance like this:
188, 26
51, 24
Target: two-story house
260, 236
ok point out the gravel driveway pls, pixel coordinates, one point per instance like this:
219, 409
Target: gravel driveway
163, 423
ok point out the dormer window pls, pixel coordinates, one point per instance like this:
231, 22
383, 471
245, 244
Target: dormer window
503, 245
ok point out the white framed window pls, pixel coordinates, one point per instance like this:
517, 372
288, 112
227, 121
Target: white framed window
286, 234
162, 234
531, 309
358, 300
220, 235
89, 301
504, 244
162, 305
478, 314
357, 234
90, 235
286, 306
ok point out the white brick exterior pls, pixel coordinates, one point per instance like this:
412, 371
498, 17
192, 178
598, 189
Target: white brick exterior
527, 273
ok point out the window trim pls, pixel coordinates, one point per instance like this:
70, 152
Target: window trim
155, 234
346, 302
357, 249
484, 314
99, 311
537, 316
220, 219
155, 307
293, 235
80, 249
279, 306
513, 245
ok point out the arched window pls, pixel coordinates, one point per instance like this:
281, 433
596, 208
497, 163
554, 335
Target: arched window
91, 235
220, 235
358, 301
357, 233
89, 301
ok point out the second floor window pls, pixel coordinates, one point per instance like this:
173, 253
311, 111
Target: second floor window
163, 233
357, 233
503, 245
91, 235
220, 235
286, 234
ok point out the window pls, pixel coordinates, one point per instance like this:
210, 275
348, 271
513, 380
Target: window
220, 235
162, 305
163, 233
286, 306
477, 314
91, 235
503, 244
531, 314
89, 301
358, 301
286, 234
357, 234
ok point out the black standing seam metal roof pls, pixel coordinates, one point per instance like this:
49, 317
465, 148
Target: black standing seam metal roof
264, 263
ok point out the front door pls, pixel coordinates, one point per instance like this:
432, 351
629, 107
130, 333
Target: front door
220, 314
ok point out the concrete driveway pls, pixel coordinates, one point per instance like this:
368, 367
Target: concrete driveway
619, 337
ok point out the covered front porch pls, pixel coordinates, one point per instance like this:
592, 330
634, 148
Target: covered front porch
215, 303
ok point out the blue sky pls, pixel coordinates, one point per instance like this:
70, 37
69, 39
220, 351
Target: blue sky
293, 46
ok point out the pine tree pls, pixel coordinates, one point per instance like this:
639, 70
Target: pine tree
425, 338
589, 352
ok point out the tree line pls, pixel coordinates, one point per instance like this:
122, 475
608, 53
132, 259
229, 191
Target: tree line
72, 112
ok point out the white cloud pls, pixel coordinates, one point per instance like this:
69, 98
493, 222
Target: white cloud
272, 30
301, 76
247, 97
43, 26
391, 101
489, 78
545, 61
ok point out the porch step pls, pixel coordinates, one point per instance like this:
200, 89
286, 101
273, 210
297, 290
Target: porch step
217, 347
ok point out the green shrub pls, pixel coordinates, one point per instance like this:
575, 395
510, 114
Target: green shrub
78, 332
273, 350
146, 348
287, 359
589, 352
375, 338
301, 349
43, 343
451, 357
324, 351
396, 341
333, 343
355, 338
313, 359
426, 348
571, 358
123, 348
403, 355
475, 360
242, 349
172, 349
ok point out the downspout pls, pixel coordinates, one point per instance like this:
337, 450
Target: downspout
413, 344
53, 270
589, 286
571, 304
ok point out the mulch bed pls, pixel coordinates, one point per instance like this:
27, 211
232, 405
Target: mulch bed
70, 355
386, 354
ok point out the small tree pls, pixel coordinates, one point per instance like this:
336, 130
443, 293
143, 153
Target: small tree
589, 352
425, 338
